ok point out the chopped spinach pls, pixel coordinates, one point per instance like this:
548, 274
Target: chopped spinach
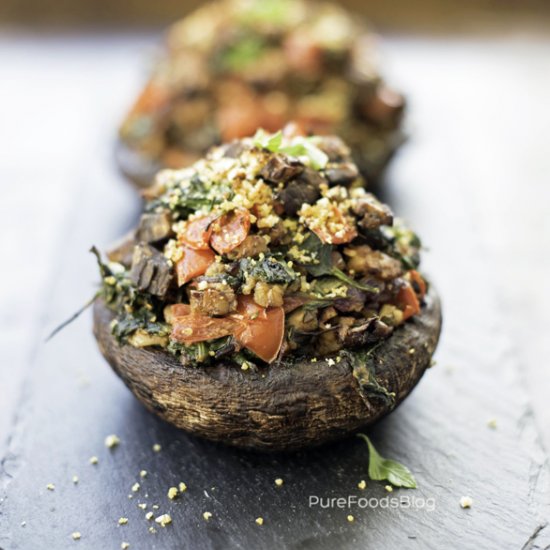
403, 244
322, 263
135, 310
270, 270
189, 196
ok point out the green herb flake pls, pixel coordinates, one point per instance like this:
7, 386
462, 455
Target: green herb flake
381, 468
314, 248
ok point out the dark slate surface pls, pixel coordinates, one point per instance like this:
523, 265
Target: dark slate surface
72, 401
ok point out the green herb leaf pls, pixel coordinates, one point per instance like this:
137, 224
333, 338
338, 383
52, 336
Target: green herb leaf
381, 468
271, 142
242, 53
302, 147
298, 147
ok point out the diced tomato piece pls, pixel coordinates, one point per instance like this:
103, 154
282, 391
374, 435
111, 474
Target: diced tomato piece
196, 233
256, 328
337, 230
152, 98
193, 263
261, 332
173, 311
302, 54
230, 230
237, 121
416, 278
407, 301
193, 328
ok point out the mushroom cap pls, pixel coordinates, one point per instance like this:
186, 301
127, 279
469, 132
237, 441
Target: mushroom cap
278, 407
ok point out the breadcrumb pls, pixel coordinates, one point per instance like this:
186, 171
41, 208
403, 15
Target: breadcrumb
135, 487
125, 545
207, 516
50, 487
157, 448
182, 487
260, 521
76, 535
279, 481
351, 519
112, 441
466, 502
143, 473
492, 423
94, 460
75, 479
152, 530
149, 515
388, 488
173, 493
164, 520
122, 521
142, 505
362, 485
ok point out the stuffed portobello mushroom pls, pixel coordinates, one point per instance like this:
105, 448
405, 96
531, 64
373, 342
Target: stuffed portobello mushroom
266, 299
233, 66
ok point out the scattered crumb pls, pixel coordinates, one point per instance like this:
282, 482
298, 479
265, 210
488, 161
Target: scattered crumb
182, 487
466, 502
112, 441
173, 493
207, 515
351, 519
260, 521
122, 521
331, 362
50, 487
94, 460
149, 515
388, 488
135, 487
245, 366
157, 448
412, 351
23, 523
152, 530
155, 506
143, 473
76, 535
279, 481
75, 479
130, 496
142, 505
492, 423
164, 520
362, 485
125, 545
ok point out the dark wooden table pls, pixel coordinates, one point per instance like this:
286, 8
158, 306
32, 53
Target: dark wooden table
472, 180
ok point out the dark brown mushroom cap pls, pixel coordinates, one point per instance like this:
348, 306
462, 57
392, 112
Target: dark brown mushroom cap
278, 407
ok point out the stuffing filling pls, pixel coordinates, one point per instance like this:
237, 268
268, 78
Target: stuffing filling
266, 250
233, 66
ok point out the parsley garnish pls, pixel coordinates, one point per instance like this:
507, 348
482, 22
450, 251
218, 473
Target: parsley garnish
381, 468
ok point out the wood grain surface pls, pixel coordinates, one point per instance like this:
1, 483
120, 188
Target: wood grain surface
472, 180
